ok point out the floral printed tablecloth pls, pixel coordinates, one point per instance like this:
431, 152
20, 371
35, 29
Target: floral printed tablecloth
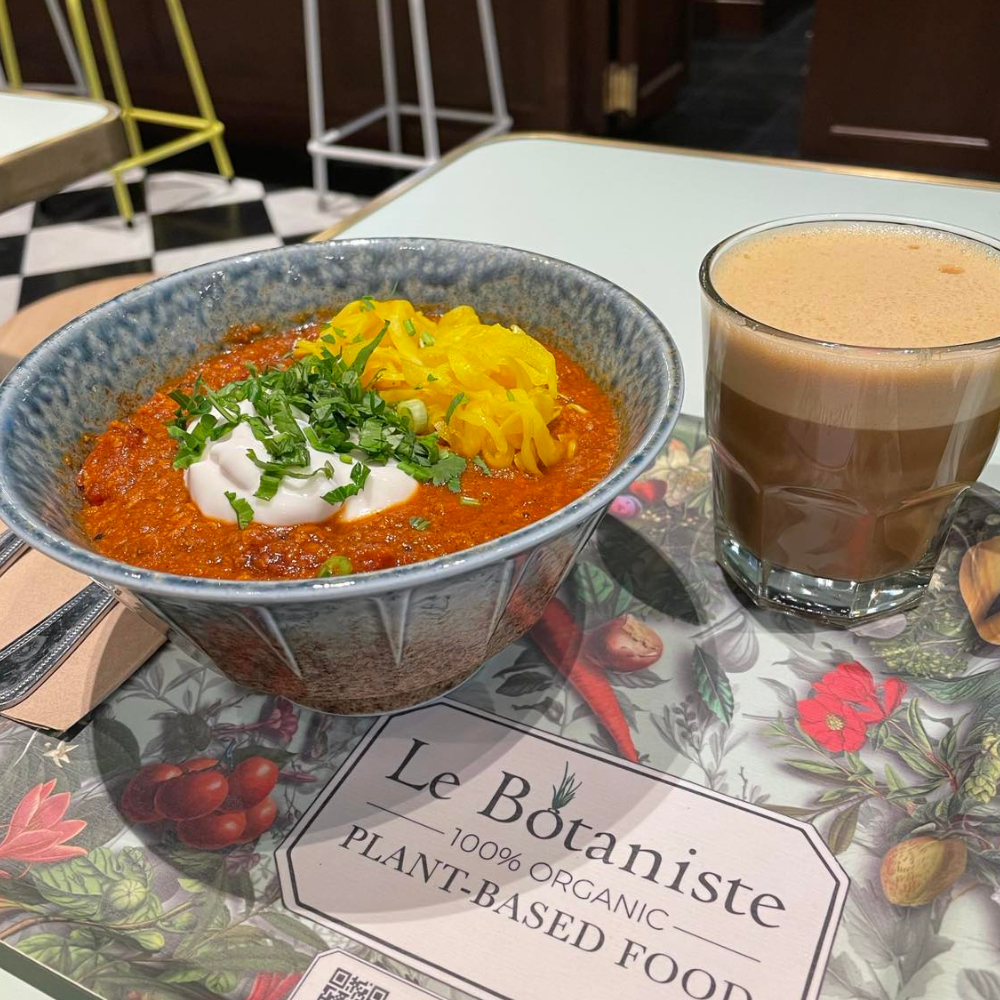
886, 737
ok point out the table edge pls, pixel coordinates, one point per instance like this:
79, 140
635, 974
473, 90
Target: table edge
877, 173
111, 113
108, 141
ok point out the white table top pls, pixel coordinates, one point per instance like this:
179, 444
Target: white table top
27, 120
644, 216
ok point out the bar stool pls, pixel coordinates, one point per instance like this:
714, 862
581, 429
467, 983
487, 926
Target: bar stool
203, 127
10, 65
325, 144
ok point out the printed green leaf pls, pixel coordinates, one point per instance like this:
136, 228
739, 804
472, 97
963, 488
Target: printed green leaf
150, 940
521, 684
636, 679
593, 586
842, 829
815, 767
184, 736
979, 687
191, 884
795, 812
295, 929
842, 794
56, 952
221, 982
893, 780
921, 764
713, 685
917, 725
982, 984
115, 746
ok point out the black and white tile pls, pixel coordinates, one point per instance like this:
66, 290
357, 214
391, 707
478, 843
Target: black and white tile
182, 219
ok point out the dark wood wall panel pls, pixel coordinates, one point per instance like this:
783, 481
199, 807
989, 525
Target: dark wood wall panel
905, 82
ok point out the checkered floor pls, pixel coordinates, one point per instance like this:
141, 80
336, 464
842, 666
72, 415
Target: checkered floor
182, 219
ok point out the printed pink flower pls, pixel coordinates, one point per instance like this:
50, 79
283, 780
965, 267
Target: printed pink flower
282, 723
37, 831
833, 724
853, 683
273, 985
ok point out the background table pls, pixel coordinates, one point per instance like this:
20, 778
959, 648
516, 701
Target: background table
644, 216
48, 141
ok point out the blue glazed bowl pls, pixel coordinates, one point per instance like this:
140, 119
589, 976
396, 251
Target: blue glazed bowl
376, 641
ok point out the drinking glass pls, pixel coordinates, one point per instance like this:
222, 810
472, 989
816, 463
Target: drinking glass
838, 469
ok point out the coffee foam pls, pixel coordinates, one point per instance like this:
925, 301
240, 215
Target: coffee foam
865, 284
853, 284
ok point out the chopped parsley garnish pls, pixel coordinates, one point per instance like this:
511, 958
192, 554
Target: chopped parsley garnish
448, 471
410, 328
481, 465
420, 523
336, 566
452, 406
319, 403
244, 512
358, 476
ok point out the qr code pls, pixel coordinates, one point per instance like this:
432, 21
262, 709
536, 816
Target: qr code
344, 985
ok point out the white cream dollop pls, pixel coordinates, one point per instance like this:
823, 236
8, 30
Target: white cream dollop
224, 467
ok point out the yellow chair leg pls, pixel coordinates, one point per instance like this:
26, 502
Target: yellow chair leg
117, 72
8, 54
122, 197
193, 66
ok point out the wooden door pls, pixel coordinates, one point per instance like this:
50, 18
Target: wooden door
651, 46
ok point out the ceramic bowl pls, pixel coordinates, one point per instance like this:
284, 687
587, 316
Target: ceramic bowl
360, 644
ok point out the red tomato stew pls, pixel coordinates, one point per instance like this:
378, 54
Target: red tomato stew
137, 507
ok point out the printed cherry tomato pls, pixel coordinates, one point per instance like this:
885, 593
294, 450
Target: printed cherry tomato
138, 799
259, 818
251, 781
213, 831
198, 764
192, 795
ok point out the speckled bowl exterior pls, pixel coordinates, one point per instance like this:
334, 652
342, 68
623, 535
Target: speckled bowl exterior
376, 641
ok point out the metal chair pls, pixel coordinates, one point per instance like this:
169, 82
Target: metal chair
203, 127
10, 65
325, 144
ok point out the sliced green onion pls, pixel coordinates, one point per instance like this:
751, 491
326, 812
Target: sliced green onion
336, 566
410, 328
469, 502
420, 523
415, 410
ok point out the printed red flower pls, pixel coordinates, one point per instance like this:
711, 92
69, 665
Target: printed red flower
831, 723
37, 831
853, 684
273, 985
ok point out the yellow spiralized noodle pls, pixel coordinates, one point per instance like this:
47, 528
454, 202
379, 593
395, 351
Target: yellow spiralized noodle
507, 378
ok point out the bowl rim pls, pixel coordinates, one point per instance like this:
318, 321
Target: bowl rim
115, 574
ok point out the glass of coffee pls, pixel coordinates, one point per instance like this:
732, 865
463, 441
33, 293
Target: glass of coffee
852, 395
